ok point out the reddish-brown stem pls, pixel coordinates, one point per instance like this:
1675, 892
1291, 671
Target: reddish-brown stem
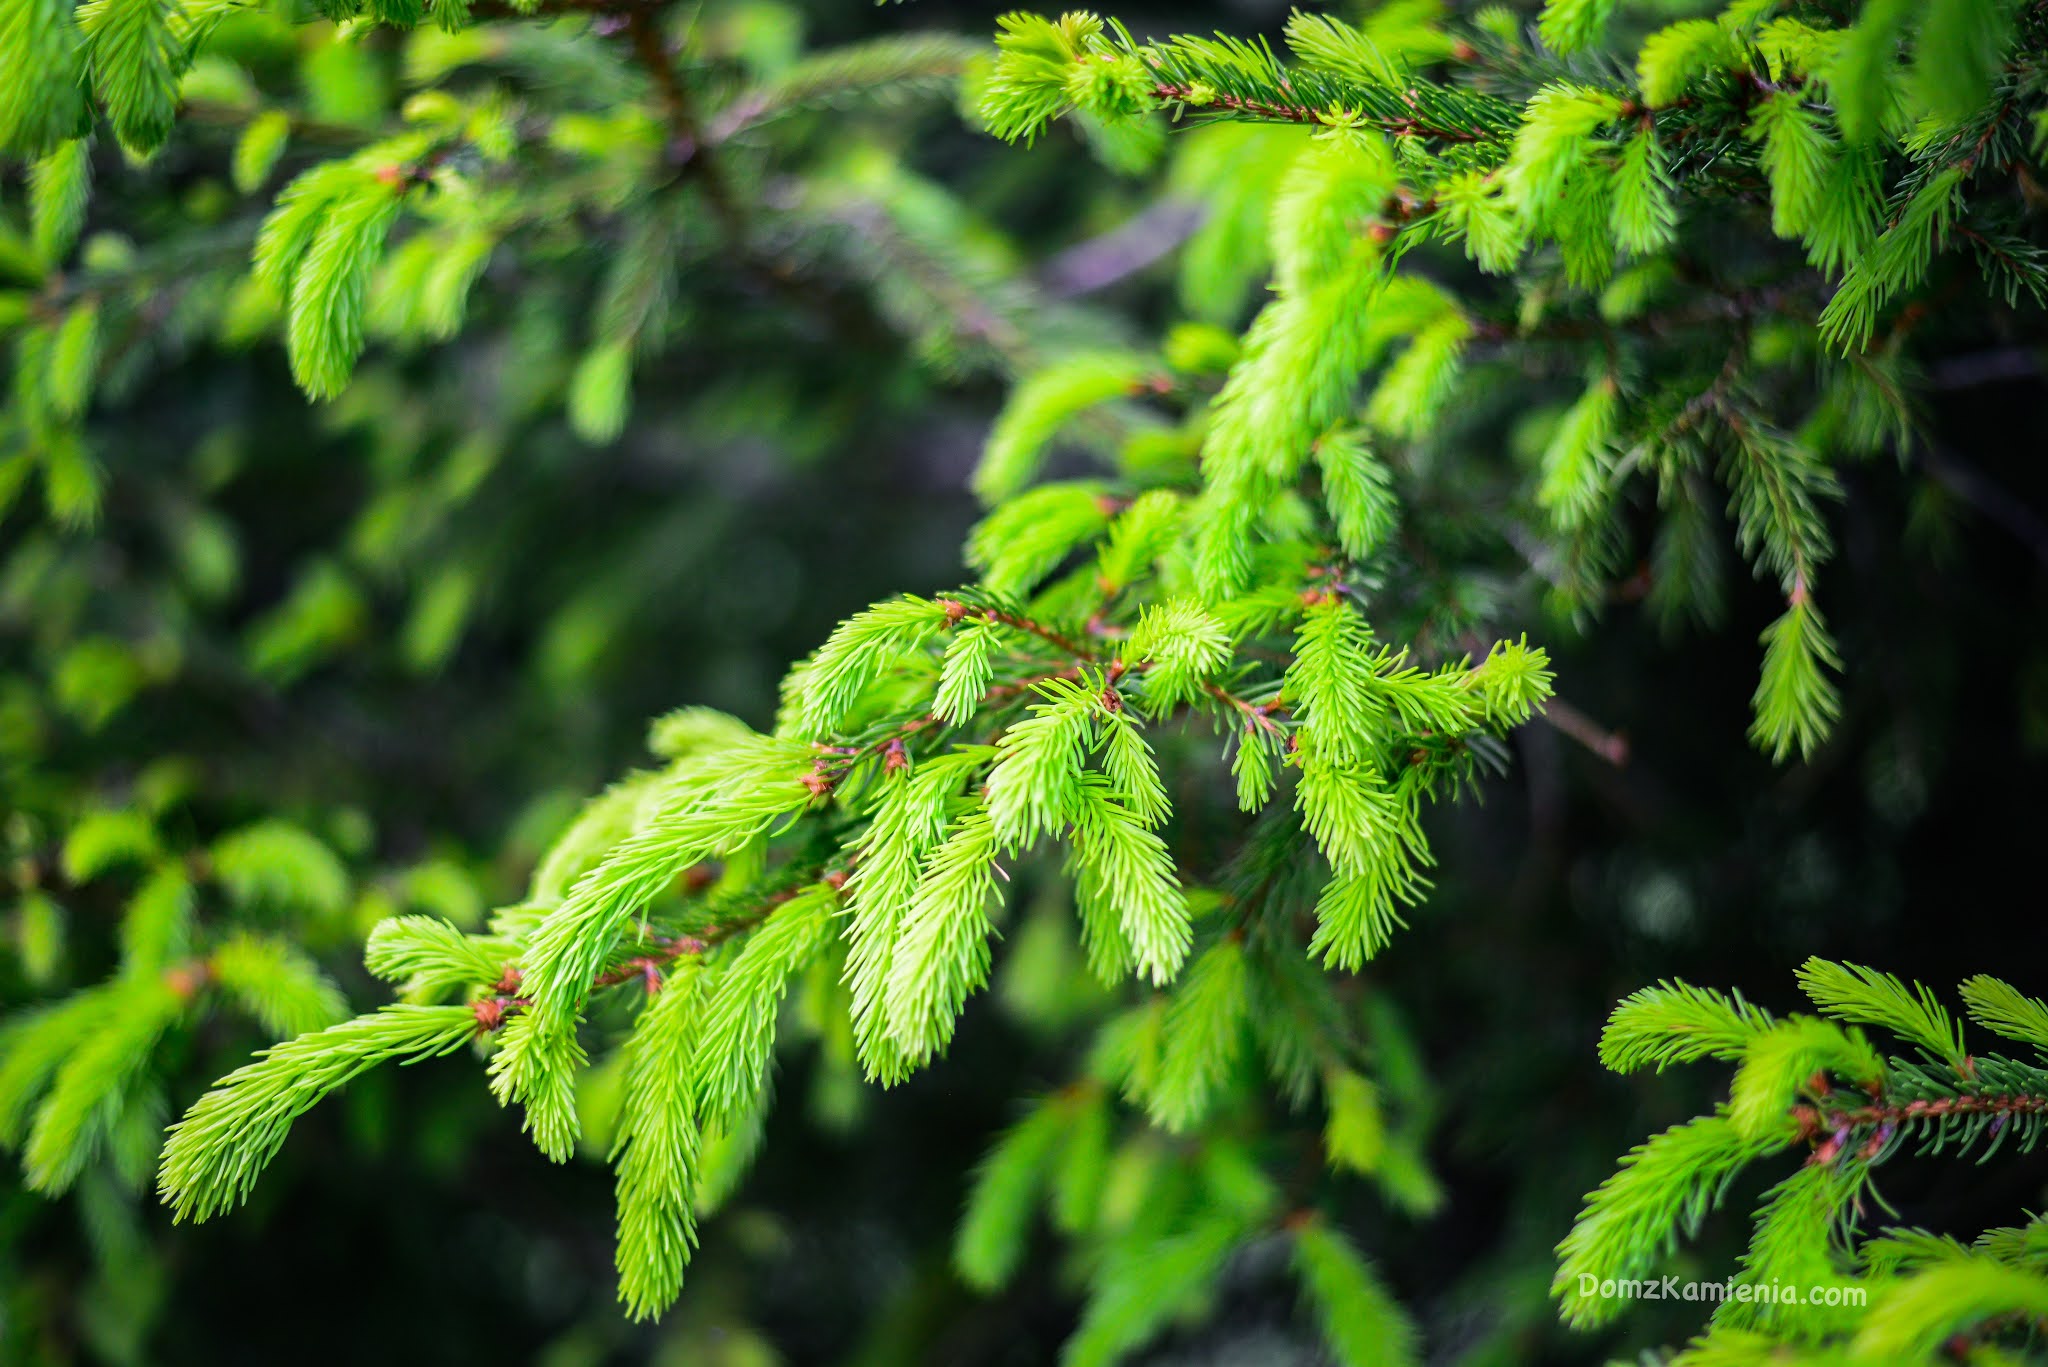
1255, 714
998, 692
664, 952
1040, 630
1285, 113
1259, 714
188, 979
494, 1010
652, 53
1295, 113
1821, 1120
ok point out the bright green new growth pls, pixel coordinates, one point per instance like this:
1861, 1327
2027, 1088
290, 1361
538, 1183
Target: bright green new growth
1864, 997
1678, 1023
1665, 1188
736, 1030
942, 952
1816, 1284
316, 252
276, 984
1202, 1032
426, 958
1795, 1048
2003, 1010
214, 1155
281, 867
656, 1146
1040, 409
1576, 183
929, 748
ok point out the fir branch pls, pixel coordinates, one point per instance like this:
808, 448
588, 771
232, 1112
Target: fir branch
213, 1156
1665, 1187
1891, 1116
1675, 1022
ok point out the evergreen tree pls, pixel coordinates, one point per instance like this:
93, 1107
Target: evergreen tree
1250, 605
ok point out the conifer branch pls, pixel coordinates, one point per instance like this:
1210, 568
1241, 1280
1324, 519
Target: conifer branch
688, 146
1823, 1120
957, 611
502, 1003
1258, 715
1257, 109
1852, 1112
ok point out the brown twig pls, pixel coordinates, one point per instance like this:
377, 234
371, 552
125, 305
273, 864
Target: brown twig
957, 612
502, 1004
688, 148
1817, 1120
1255, 714
2004, 1103
1295, 113
1567, 720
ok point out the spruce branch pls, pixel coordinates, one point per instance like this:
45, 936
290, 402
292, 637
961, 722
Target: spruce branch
212, 1156
1853, 1113
1891, 1116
